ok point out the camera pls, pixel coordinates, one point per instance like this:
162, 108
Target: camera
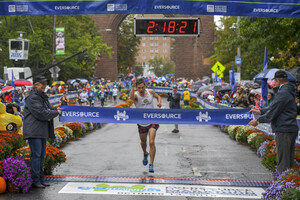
169, 94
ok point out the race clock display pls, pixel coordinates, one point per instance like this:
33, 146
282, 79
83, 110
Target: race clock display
167, 27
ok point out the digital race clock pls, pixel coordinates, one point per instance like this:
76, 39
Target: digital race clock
167, 27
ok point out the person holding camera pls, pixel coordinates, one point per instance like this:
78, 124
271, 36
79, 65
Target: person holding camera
174, 99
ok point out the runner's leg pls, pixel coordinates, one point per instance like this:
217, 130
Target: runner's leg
143, 137
152, 134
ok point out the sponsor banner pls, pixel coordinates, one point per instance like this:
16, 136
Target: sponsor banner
60, 41
155, 116
261, 8
264, 127
162, 190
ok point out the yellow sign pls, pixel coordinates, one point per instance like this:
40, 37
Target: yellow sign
220, 75
218, 67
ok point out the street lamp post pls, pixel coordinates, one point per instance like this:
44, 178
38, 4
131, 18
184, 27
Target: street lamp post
239, 46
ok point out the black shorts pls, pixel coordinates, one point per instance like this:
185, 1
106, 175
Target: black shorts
143, 129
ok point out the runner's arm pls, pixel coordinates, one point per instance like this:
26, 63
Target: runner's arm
157, 97
133, 96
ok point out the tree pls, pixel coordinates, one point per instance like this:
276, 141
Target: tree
280, 36
161, 66
80, 33
127, 45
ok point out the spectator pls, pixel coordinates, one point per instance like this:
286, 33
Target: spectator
174, 99
7, 97
251, 101
298, 104
257, 99
38, 127
186, 97
242, 102
225, 99
282, 114
64, 100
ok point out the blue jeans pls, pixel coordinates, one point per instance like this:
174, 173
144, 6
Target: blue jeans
38, 152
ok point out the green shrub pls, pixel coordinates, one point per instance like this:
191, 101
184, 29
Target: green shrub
291, 194
232, 130
226, 128
270, 161
260, 138
242, 134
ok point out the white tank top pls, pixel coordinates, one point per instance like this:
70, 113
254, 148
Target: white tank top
144, 102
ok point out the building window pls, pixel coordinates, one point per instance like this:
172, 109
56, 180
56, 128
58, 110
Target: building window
143, 44
144, 38
156, 50
151, 50
165, 50
164, 44
151, 38
151, 56
156, 38
156, 44
151, 44
164, 38
143, 50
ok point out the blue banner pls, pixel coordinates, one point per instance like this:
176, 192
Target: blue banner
155, 116
254, 8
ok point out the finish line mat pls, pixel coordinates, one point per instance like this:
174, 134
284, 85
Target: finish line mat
157, 180
161, 190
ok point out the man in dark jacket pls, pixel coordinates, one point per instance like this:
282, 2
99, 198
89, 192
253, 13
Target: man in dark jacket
174, 99
282, 114
38, 127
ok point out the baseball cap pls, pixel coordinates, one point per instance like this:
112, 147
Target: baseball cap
280, 74
40, 79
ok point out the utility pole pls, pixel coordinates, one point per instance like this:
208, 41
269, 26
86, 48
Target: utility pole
54, 49
239, 46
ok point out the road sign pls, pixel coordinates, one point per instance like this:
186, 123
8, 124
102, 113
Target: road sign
52, 75
238, 60
213, 75
52, 70
219, 68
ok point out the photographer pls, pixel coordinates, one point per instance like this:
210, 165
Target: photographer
174, 99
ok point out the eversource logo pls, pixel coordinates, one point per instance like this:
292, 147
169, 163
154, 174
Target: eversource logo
162, 190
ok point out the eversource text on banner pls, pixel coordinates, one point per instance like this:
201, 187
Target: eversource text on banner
156, 116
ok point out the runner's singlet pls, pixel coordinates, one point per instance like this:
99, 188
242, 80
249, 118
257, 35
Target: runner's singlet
144, 102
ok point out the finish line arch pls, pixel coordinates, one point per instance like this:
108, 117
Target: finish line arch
190, 66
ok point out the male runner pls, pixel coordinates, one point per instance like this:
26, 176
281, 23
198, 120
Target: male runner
143, 98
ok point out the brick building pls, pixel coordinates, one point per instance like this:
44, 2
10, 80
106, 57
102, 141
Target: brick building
190, 54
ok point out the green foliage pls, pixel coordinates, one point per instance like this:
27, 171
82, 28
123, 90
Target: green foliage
270, 161
80, 33
291, 194
241, 135
127, 46
226, 128
161, 66
279, 35
232, 130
